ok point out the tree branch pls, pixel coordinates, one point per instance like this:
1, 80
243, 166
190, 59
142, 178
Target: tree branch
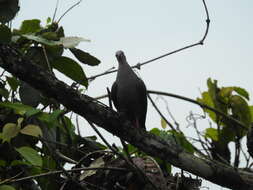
110, 120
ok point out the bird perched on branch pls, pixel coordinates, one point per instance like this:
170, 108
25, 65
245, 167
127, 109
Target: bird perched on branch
129, 94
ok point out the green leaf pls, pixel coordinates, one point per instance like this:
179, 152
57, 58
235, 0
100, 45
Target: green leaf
6, 187
131, 149
50, 118
8, 10
163, 123
50, 36
207, 100
32, 130
227, 134
213, 91
4, 92
71, 69
165, 165
19, 162
54, 116
54, 51
44, 117
155, 131
98, 163
174, 137
30, 155
251, 112
167, 136
70, 127
212, 134
19, 122
60, 32
30, 26
240, 110
32, 112
18, 108
182, 141
10, 130
49, 162
13, 82
242, 92
41, 40
71, 41
5, 34
84, 57
226, 92
49, 20
2, 163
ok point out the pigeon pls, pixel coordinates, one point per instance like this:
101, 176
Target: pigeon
129, 94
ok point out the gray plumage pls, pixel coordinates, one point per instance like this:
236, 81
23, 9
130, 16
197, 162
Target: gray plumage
129, 94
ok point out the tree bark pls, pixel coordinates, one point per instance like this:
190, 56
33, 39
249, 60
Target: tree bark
92, 110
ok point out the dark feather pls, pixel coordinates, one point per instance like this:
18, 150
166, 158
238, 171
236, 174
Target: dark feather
114, 95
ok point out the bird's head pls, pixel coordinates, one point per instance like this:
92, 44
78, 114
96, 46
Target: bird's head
120, 56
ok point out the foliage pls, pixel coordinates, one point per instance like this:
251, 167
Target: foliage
38, 136
233, 102
45, 45
27, 117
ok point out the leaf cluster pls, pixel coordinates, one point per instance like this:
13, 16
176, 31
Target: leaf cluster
233, 102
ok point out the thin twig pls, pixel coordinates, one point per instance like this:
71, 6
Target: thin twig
102, 138
65, 158
169, 112
69, 9
201, 42
47, 60
160, 113
80, 162
61, 144
237, 152
199, 134
204, 106
247, 158
77, 125
59, 172
55, 10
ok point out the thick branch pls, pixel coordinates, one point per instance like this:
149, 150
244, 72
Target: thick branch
106, 118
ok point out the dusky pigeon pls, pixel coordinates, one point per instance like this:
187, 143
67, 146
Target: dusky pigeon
129, 94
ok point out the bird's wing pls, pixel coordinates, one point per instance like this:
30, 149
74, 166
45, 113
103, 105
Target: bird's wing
142, 99
142, 94
114, 95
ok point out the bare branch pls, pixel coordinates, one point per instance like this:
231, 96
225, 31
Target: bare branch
138, 65
204, 106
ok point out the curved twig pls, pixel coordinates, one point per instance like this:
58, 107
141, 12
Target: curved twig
68, 10
200, 104
138, 65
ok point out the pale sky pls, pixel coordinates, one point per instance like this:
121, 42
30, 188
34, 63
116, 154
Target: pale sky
145, 29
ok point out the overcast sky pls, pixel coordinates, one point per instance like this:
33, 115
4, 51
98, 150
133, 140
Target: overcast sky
145, 29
